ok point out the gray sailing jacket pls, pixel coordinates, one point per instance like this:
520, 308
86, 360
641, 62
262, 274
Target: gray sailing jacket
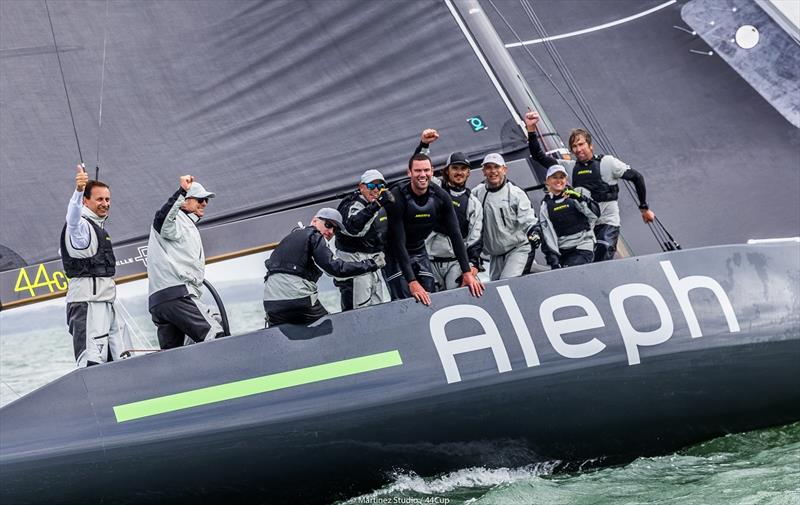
176, 261
507, 217
439, 245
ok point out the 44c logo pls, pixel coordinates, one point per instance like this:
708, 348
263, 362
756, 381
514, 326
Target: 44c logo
42, 279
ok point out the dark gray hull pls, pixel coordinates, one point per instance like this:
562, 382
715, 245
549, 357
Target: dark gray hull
512, 400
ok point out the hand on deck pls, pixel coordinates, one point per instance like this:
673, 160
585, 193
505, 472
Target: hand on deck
471, 281
419, 293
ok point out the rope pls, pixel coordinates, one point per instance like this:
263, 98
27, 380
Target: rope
64, 81
102, 82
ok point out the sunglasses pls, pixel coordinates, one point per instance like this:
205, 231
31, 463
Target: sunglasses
200, 200
331, 226
372, 185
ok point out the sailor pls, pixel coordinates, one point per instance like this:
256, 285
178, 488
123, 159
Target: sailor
446, 270
566, 219
295, 266
361, 237
87, 255
418, 208
176, 266
599, 175
510, 235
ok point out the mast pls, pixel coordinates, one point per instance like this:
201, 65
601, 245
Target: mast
502, 70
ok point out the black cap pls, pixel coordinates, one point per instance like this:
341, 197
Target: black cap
457, 158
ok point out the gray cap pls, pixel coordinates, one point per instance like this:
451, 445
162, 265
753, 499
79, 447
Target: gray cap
371, 175
494, 158
555, 169
330, 214
196, 190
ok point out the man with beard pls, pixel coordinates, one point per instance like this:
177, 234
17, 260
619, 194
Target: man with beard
418, 208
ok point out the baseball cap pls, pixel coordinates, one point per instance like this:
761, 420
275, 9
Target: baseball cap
330, 214
493, 158
457, 158
196, 190
555, 169
372, 175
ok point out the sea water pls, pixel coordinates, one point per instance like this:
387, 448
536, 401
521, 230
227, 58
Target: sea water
755, 468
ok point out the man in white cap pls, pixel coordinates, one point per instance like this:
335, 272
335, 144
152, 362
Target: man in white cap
176, 266
510, 235
566, 219
362, 236
295, 266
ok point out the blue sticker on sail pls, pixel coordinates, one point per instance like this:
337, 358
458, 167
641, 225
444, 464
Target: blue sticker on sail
477, 124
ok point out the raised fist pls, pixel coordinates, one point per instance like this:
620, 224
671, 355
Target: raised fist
531, 120
186, 182
81, 178
429, 136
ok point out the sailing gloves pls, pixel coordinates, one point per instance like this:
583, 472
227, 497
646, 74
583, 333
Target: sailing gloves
534, 238
385, 197
574, 194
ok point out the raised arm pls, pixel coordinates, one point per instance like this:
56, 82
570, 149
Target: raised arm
537, 153
164, 222
77, 228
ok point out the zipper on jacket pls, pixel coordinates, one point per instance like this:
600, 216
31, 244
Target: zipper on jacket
503, 215
94, 285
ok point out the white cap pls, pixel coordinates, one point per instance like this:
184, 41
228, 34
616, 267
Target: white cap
371, 175
196, 190
494, 158
555, 169
330, 214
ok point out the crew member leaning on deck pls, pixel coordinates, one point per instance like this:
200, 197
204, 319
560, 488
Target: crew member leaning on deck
88, 259
446, 269
176, 266
599, 175
295, 266
362, 236
566, 219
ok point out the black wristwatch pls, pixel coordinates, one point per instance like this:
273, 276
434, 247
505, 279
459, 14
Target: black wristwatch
644, 206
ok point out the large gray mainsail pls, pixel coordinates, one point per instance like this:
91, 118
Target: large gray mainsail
265, 102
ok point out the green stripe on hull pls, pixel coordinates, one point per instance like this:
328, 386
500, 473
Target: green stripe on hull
254, 386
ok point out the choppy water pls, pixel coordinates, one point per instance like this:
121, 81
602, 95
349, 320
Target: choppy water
756, 468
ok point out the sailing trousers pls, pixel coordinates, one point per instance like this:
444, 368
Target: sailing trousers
96, 335
297, 311
185, 317
606, 246
574, 257
447, 273
423, 272
363, 290
511, 264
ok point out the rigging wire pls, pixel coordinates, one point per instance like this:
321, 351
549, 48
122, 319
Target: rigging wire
102, 82
64, 81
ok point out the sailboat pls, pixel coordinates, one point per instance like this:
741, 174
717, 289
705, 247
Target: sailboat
280, 105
